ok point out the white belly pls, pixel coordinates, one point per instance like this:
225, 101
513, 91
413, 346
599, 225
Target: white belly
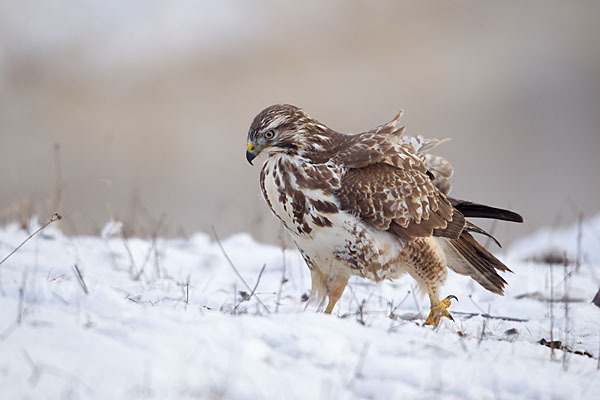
344, 246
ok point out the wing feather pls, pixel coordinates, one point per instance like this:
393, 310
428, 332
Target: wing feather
391, 183
400, 199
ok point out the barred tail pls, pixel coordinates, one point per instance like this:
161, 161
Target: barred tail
466, 256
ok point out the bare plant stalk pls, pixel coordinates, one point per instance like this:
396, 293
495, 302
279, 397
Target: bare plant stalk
484, 326
551, 313
187, 291
58, 182
488, 316
579, 240
412, 291
283, 263
234, 298
151, 250
53, 218
566, 300
252, 293
214, 232
132, 268
21, 298
79, 276
359, 365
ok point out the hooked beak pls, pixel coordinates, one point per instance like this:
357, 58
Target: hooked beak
251, 152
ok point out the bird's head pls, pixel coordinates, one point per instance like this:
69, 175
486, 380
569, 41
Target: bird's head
278, 128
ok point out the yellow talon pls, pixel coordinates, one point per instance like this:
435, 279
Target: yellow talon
438, 311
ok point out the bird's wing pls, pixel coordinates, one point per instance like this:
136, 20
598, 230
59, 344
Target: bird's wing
381, 144
399, 198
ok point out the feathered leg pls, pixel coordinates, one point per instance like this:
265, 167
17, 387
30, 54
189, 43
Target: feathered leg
428, 267
324, 286
318, 288
335, 289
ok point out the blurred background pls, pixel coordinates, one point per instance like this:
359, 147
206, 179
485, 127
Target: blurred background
139, 110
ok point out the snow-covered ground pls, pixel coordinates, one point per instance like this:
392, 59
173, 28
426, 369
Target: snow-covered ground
165, 319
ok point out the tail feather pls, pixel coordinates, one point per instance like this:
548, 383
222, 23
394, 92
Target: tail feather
471, 227
467, 257
475, 210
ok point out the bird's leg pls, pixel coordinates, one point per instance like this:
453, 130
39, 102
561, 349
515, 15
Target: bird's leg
318, 288
336, 288
439, 309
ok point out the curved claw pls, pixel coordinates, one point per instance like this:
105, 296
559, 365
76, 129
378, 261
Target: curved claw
440, 310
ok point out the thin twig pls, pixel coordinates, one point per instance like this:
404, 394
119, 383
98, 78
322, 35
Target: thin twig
187, 291
234, 298
6, 333
152, 249
283, 262
58, 182
252, 293
579, 240
36, 370
393, 309
359, 365
566, 297
468, 315
121, 232
412, 291
483, 326
551, 312
53, 218
21, 298
214, 232
476, 305
79, 276
598, 366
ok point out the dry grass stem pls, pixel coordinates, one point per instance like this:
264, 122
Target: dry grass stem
20, 307
566, 297
359, 365
283, 263
484, 325
53, 218
551, 312
214, 232
253, 292
79, 276
132, 267
579, 240
58, 182
468, 315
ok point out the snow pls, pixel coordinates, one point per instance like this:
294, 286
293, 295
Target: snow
164, 319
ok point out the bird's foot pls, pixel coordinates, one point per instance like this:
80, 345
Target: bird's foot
440, 310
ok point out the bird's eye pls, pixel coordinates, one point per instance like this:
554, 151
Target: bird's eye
269, 134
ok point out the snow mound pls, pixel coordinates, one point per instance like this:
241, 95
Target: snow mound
106, 317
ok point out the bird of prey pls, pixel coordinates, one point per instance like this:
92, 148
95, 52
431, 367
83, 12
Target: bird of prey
373, 204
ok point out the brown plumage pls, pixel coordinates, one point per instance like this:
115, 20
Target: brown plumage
373, 204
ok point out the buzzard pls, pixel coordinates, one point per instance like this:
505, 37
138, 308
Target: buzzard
373, 204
